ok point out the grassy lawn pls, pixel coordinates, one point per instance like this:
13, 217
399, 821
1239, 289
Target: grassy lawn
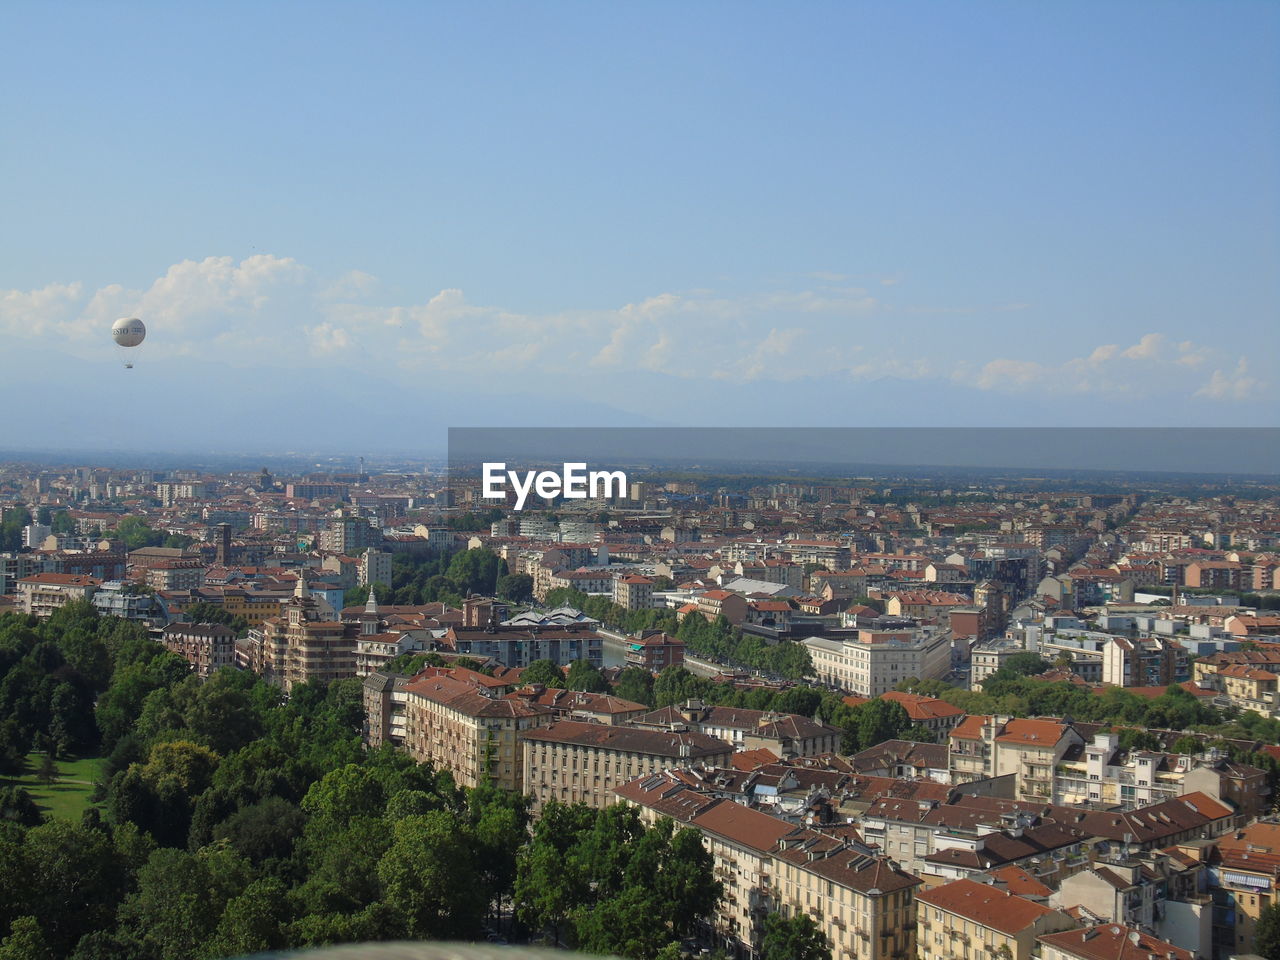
68, 797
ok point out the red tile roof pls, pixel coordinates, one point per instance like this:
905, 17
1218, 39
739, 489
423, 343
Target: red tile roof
985, 905
1110, 941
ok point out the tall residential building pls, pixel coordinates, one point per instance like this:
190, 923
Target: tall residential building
1152, 662
654, 651
374, 566
633, 592
562, 644
983, 747
301, 645
457, 719
350, 536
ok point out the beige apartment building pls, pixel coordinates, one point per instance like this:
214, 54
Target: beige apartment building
454, 719
300, 645
967, 920
575, 762
878, 660
43, 593
983, 747
864, 904
1106, 776
185, 573
633, 592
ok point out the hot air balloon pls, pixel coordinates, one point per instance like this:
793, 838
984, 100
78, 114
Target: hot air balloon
128, 332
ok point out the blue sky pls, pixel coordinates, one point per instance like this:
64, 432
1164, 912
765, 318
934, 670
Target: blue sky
584, 213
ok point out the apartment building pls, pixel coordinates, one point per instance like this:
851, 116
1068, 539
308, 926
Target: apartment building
878, 660
1161, 892
373, 566
42, 593
1244, 879
713, 604
1151, 662
786, 735
350, 536
989, 656
115, 598
633, 592
1246, 679
864, 904
206, 646
1104, 776
514, 647
967, 920
923, 604
983, 747
456, 719
302, 644
576, 705
574, 762
654, 651
185, 573
931, 713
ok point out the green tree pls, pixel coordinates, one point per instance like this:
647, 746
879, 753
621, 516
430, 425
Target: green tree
1026, 664
26, 941
180, 899
550, 882
881, 720
16, 806
635, 684
1266, 936
73, 879
675, 684
1187, 744
252, 922
793, 938
516, 587
429, 874
623, 925
544, 672
586, 678
476, 571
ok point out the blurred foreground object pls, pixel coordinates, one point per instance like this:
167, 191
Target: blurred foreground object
427, 951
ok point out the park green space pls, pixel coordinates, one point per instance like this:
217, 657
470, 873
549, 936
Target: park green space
69, 795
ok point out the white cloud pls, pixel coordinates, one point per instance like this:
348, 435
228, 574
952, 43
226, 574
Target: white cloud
326, 338
1009, 374
1237, 385
1147, 348
352, 285
36, 313
272, 310
1150, 366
